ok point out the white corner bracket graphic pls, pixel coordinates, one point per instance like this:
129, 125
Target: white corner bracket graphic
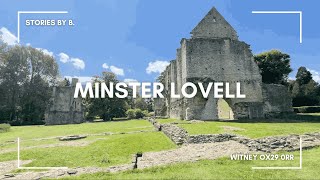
285, 168
35, 12
33, 168
284, 12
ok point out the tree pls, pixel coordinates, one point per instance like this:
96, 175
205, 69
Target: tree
107, 108
26, 75
141, 104
65, 82
274, 66
304, 90
303, 76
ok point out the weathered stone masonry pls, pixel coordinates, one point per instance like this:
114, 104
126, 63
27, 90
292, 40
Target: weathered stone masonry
63, 108
214, 54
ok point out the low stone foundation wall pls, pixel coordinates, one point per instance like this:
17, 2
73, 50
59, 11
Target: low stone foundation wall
284, 143
209, 138
178, 135
267, 144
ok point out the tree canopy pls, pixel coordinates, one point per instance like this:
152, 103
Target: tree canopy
274, 66
26, 75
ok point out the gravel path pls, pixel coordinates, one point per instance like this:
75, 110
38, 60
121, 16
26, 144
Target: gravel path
191, 153
6, 167
186, 153
65, 173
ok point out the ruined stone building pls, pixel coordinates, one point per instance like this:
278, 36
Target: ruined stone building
63, 108
214, 54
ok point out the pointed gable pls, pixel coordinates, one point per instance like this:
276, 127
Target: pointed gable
213, 25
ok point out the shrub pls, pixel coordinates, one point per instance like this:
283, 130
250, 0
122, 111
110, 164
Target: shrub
131, 113
307, 109
4, 128
139, 113
145, 113
136, 113
151, 114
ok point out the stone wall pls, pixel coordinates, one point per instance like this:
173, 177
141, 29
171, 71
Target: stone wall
214, 54
276, 99
63, 108
176, 134
209, 138
267, 144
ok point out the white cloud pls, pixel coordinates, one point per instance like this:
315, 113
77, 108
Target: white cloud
105, 66
315, 75
8, 37
46, 51
157, 66
78, 63
130, 80
64, 58
117, 71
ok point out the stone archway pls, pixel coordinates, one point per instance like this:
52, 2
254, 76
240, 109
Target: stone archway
224, 110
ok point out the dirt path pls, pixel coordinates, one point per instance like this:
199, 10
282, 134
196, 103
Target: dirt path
190, 153
7, 167
65, 173
186, 153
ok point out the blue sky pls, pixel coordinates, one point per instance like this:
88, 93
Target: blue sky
126, 36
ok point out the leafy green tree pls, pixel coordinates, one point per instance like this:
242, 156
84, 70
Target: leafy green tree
303, 76
107, 108
274, 66
304, 90
141, 104
26, 75
13, 75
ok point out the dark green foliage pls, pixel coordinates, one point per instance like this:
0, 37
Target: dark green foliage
307, 109
303, 76
107, 108
26, 77
136, 113
274, 66
131, 113
305, 91
141, 104
139, 113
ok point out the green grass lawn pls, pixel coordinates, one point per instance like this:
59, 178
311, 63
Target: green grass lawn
109, 150
249, 129
104, 150
223, 168
252, 130
32, 132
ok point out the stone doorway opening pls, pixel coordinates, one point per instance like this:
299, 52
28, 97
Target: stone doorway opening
224, 110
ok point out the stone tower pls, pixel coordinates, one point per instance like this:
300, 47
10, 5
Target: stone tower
214, 54
63, 108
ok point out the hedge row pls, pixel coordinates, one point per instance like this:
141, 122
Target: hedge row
136, 113
4, 128
307, 109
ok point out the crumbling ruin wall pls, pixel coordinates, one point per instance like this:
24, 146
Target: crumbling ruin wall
214, 54
223, 60
276, 99
63, 108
